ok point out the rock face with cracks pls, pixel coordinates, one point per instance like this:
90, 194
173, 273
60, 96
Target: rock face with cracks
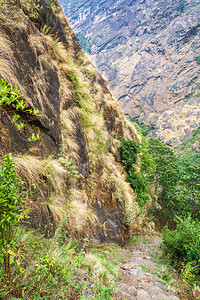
149, 51
75, 165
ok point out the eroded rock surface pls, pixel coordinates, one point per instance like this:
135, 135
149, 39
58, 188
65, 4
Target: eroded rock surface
149, 51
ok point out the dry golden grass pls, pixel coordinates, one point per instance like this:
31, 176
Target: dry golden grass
97, 270
71, 147
69, 128
67, 123
63, 19
47, 175
5, 47
31, 169
57, 205
37, 43
55, 192
6, 62
44, 61
56, 175
66, 93
130, 130
6, 71
115, 176
80, 216
56, 48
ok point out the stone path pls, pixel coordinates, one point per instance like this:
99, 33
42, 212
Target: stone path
138, 282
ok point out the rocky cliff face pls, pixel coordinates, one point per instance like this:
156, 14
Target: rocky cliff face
149, 51
74, 166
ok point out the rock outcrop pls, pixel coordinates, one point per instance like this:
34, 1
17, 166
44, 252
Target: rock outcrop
149, 51
74, 166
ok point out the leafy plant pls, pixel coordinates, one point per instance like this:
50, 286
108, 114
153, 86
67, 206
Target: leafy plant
198, 59
187, 191
62, 262
12, 211
45, 29
141, 127
85, 44
130, 151
11, 96
34, 138
8, 94
166, 171
76, 85
182, 244
181, 6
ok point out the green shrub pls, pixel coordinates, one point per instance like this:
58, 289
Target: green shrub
143, 128
139, 184
183, 244
198, 59
84, 42
129, 150
12, 210
181, 6
166, 171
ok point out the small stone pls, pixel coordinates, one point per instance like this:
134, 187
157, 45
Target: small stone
136, 272
155, 290
160, 297
142, 295
125, 294
131, 290
137, 253
128, 266
144, 279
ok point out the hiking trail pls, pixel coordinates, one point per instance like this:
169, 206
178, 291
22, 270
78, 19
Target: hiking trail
141, 279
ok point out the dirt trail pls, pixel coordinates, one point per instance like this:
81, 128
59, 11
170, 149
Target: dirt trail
139, 281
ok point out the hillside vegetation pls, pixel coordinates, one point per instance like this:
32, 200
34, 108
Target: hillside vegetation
75, 174
61, 124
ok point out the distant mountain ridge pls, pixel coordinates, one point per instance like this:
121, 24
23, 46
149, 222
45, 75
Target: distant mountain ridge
149, 51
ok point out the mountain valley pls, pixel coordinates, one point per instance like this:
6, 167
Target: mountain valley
149, 51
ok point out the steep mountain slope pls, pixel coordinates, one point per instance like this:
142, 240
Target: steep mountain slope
73, 169
149, 51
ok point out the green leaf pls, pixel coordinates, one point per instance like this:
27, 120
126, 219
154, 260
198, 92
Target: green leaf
11, 252
15, 117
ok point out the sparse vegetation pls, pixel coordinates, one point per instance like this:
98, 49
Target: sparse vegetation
144, 129
181, 6
58, 259
198, 59
85, 44
50, 256
74, 269
73, 77
11, 97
